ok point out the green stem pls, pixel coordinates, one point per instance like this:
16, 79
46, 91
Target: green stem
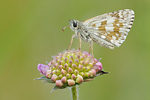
74, 92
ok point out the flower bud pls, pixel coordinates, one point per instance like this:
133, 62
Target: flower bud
60, 67
48, 74
93, 72
63, 72
60, 62
81, 58
70, 70
76, 71
82, 74
70, 62
60, 76
56, 65
73, 76
66, 59
52, 63
66, 66
79, 79
54, 77
76, 61
71, 82
86, 62
68, 76
80, 66
71, 57
59, 83
82, 62
74, 66
64, 79
87, 74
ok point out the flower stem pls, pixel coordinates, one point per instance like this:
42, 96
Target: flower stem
74, 92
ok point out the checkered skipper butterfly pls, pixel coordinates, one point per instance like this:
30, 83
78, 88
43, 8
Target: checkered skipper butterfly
108, 30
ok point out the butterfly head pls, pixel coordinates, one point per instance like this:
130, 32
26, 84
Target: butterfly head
73, 24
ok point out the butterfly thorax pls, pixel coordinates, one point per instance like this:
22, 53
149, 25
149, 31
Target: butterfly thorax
79, 28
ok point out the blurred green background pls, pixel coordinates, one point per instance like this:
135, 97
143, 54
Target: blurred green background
30, 33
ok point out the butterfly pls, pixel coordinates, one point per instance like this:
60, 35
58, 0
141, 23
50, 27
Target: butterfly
108, 30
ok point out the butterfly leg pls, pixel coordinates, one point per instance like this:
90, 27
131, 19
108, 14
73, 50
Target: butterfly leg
91, 47
73, 36
79, 41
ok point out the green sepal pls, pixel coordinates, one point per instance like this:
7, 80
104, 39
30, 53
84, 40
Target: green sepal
64, 86
45, 79
101, 73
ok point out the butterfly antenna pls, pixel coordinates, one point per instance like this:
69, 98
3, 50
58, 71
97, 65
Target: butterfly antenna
64, 28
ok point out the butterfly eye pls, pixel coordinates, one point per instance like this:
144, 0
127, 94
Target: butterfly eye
74, 24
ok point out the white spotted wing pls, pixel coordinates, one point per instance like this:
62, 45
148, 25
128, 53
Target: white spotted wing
110, 29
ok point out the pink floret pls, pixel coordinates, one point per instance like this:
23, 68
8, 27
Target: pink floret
43, 68
98, 66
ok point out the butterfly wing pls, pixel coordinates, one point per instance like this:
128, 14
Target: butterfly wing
110, 29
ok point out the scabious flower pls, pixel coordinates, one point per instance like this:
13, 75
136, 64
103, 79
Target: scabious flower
70, 68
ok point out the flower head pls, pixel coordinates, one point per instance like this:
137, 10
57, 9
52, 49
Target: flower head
70, 68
